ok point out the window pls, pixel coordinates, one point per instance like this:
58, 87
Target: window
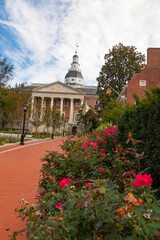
65, 102
77, 103
58, 102
142, 83
76, 117
88, 102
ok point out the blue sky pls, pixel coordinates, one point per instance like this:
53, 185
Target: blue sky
39, 36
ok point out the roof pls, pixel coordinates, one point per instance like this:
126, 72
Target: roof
89, 90
74, 74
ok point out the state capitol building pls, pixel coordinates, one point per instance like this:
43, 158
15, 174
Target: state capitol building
66, 97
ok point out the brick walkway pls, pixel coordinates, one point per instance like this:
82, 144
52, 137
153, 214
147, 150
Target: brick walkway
19, 175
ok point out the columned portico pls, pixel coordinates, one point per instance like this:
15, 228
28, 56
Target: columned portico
54, 93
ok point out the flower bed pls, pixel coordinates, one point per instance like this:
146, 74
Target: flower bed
93, 191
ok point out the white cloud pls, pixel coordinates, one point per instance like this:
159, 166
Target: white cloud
47, 31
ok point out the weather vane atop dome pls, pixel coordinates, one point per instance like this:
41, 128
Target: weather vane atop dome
76, 47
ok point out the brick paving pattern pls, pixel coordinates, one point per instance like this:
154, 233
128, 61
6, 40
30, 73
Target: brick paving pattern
19, 175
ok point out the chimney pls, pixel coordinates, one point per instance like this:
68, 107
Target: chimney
153, 57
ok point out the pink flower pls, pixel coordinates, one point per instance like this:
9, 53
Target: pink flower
102, 150
87, 185
115, 141
87, 142
84, 147
64, 182
38, 195
142, 180
103, 154
97, 134
59, 205
53, 166
101, 169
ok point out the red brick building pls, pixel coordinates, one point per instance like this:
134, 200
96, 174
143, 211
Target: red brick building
149, 76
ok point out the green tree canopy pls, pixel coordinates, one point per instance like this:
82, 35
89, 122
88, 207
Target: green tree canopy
120, 64
5, 71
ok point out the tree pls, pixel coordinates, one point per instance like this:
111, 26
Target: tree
120, 64
5, 75
36, 120
112, 111
47, 118
21, 95
88, 118
5, 71
11, 104
48, 115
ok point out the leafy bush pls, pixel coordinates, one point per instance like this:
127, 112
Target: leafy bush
91, 191
143, 121
4, 140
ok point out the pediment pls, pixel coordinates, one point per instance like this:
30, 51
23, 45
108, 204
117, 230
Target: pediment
57, 87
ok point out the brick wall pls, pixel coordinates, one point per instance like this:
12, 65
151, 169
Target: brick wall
151, 75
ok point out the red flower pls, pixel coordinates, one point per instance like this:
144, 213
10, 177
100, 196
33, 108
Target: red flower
101, 169
103, 154
64, 182
87, 185
59, 205
142, 180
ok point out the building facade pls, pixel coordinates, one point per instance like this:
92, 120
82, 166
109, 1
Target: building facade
66, 98
149, 76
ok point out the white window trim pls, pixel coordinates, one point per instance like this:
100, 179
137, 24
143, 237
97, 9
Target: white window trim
67, 102
89, 102
58, 102
142, 83
77, 103
75, 114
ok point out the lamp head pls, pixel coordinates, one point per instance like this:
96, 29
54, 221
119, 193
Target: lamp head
25, 106
99, 107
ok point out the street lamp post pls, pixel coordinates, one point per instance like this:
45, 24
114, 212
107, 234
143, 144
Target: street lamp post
54, 118
22, 136
99, 109
64, 127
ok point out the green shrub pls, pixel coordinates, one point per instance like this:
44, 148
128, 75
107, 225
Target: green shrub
84, 194
143, 121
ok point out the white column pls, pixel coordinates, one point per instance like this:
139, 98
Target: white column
71, 111
52, 103
32, 107
42, 107
61, 108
